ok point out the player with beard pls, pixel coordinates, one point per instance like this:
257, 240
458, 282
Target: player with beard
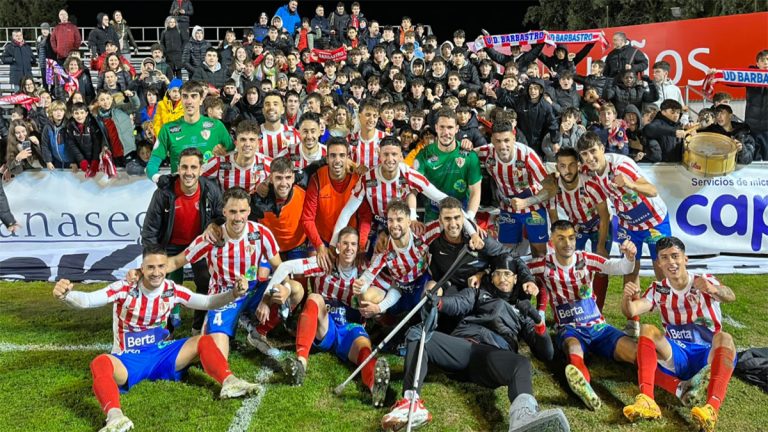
309, 149
643, 216
245, 168
364, 143
567, 275
276, 136
141, 350
693, 345
329, 322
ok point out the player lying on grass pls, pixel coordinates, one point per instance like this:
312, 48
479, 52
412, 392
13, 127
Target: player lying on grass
567, 275
328, 321
693, 345
140, 349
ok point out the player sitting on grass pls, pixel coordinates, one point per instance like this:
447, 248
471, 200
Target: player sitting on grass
567, 276
140, 347
693, 343
329, 322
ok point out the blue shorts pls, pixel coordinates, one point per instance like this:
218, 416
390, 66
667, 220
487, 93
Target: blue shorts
649, 237
688, 358
301, 251
154, 362
341, 334
535, 223
592, 237
411, 295
600, 339
224, 319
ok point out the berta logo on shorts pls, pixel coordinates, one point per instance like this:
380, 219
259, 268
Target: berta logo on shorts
145, 339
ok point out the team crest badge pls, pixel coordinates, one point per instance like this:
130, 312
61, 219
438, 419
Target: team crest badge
520, 164
205, 134
459, 162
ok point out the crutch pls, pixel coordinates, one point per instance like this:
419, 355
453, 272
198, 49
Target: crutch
451, 270
419, 359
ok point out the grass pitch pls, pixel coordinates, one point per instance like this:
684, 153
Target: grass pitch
45, 383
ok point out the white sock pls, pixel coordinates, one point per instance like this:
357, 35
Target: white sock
411, 395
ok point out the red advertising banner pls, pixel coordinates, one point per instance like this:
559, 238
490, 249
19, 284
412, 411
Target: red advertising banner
692, 47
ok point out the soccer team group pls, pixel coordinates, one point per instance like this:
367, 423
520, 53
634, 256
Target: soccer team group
377, 261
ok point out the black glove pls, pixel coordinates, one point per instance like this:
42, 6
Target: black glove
527, 310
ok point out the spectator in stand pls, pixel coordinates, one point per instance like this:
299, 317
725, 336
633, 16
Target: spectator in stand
170, 108
53, 147
562, 94
19, 56
721, 98
123, 77
65, 37
305, 37
126, 43
261, 28
321, 27
561, 60
137, 160
44, 51
536, 117
468, 135
103, 32
590, 105
706, 118
509, 92
570, 132
517, 56
195, 51
211, 71
756, 116
23, 149
114, 119
739, 132
339, 21
149, 79
665, 134
611, 130
249, 107
148, 111
182, 10
267, 70
634, 121
626, 90
226, 49
81, 81
467, 71
172, 46
595, 78
97, 63
290, 15
624, 58
666, 89
84, 140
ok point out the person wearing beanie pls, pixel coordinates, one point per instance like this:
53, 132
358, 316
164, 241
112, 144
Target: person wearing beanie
170, 108
194, 50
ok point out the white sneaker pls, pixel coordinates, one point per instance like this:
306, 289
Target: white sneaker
397, 419
235, 387
120, 423
524, 416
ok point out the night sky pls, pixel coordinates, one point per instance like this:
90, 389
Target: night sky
444, 16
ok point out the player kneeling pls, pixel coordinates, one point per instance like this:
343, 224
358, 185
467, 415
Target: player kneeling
140, 347
693, 344
329, 322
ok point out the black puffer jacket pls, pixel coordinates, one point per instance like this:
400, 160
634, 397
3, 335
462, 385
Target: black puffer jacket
756, 115
621, 95
522, 60
85, 144
661, 143
97, 39
740, 132
469, 75
559, 66
194, 54
471, 132
535, 120
617, 60
562, 99
20, 59
158, 222
173, 46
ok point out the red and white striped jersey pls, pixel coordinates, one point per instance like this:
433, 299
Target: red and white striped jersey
379, 192
519, 178
273, 142
299, 159
636, 212
580, 204
689, 306
364, 152
570, 287
239, 256
229, 174
403, 266
135, 310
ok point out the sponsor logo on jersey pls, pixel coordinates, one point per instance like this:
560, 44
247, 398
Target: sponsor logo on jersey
372, 183
254, 236
681, 334
585, 291
225, 165
629, 197
207, 124
460, 186
663, 290
520, 164
174, 129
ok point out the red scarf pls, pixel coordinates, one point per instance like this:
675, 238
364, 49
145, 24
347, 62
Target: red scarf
73, 85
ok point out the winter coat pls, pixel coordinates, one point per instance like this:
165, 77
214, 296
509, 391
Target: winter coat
600, 83
194, 54
6, 217
740, 132
567, 139
522, 61
562, 99
291, 20
123, 124
215, 77
260, 32
536, 119
173, 47
124, 36
339, 23
158, 221
559, 66
756, 114
621, 95
20, 58
189, 10
65, 38
85, 145
97, 39
617, 60
662, 144
85, 88
166, 113
53, 145
320, 23
471, 132
469, 75
245, 111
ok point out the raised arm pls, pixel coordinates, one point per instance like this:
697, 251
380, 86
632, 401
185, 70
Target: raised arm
80, 299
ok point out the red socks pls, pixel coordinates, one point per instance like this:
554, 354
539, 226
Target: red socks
578, 361
212, 359
104, 385
306, 330
541, 299
369, 370
272, 321
722, 369
646, 365
600, 288
666, 381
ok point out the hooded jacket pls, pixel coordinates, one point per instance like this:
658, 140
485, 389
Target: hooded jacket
559, 66
85, 144
194, 52
662, 144
97, 39
617, 60
756, 114
469, 75
471, 132
621, 95
535, 120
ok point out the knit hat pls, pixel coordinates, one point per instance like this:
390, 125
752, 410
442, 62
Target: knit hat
196, 29
175, 83
148, 60
45, 26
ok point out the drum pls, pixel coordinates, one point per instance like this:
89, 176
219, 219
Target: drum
710, 154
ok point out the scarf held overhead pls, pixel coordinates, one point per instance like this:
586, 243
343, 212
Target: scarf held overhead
543, 36
735, 78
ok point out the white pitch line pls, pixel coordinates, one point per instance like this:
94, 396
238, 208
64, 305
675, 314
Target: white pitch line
11, 347
732, 322
242, 420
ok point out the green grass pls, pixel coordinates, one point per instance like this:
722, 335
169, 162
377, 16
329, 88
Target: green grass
51, 391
